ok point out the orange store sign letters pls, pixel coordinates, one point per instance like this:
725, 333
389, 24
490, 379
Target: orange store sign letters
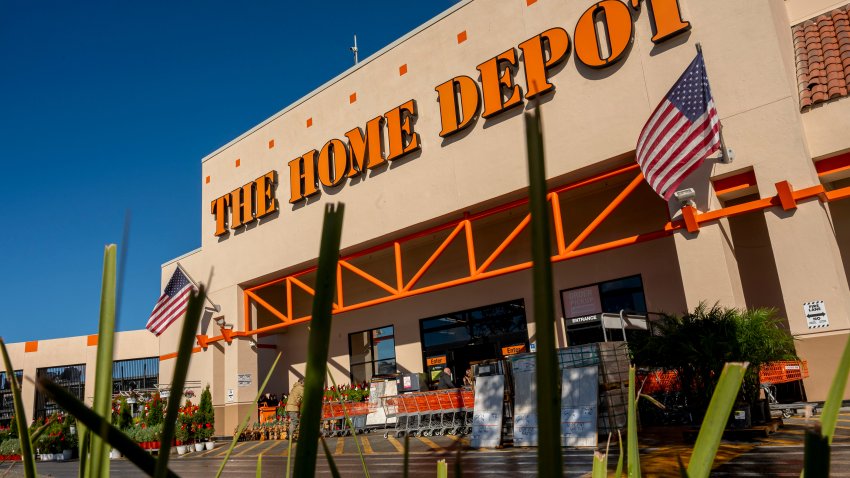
602, 36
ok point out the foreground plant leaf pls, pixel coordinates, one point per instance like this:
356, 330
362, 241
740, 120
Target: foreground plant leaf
715, 419
816, 455
350, 424
98, 461
549, 459
331, 463
27, 455
633, 462
194, 310
318, 343
832, 405
86, 416
247, 418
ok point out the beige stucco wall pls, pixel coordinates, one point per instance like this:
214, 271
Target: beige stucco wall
75, 351
594, 116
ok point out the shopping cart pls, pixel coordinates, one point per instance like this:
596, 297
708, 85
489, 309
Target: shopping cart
783, 371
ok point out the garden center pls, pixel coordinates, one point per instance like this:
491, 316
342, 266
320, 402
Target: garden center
424, 143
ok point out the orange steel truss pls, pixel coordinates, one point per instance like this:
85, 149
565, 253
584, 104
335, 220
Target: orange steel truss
462, 230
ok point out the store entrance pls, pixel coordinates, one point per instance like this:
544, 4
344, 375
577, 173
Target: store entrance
459, 339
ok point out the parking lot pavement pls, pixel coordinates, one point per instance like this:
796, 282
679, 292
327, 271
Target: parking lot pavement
781, 454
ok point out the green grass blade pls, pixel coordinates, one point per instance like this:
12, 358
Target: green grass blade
259, 473
331, 463
247, 418
38, 431
99, 459
111, 435
458, 466
829, 414
600, 465
633, 463
619, 472
350, 425
289, 457
816, 455
318, 343
715, 419
85, 448
683, 472
406, 466
27, 455
549, 459
181, 367
442, 469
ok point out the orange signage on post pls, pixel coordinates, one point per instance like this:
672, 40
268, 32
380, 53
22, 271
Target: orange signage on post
436, 360
513, 349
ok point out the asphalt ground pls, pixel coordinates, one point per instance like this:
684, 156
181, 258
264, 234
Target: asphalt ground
779, 455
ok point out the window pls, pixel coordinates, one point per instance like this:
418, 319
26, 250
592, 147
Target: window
584, 305
371, 353
71, 377
475, 326
135, 374
7, 406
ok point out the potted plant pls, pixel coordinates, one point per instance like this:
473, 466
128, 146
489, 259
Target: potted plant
698, 344
181, 434
10, 450
199, 436
205, 418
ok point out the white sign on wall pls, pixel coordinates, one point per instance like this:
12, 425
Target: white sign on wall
815, 313
243, 379
231, 395
581, 302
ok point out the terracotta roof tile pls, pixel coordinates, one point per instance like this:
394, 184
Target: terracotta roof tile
822, 56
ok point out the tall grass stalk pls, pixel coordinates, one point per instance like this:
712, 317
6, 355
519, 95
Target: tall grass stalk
549, 459
27, 455
714, 423
318, 342
247, 418
829, 415
633, 461
350, 426
178, 380
331, 464
98, 462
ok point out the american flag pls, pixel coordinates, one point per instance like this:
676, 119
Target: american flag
172, 303
682, 131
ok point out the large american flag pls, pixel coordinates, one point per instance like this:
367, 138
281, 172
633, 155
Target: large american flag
172, 303
682, 131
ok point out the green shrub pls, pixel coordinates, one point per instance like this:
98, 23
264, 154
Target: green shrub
10, 446
125, 417
205, 416
155, 411
698, 344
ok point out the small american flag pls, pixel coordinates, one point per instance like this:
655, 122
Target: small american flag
172, 303
682, 131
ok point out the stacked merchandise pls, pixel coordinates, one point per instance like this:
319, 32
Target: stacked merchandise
613, 361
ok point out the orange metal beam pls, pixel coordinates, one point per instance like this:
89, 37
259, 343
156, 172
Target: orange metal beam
605, 213
786, 197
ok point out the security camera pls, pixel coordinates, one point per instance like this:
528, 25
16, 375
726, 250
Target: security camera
686, 197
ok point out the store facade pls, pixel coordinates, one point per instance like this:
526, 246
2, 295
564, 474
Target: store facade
424, 143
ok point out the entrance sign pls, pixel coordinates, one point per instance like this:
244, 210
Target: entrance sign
579, 406
513, 349
487, 412
525, 400
816, 314
603, 36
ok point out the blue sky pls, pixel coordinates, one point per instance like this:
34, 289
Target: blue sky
109, 106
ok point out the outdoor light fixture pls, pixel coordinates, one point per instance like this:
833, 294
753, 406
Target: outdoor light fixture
686, 197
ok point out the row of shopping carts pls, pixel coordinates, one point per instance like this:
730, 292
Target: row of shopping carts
334, 416
435, 413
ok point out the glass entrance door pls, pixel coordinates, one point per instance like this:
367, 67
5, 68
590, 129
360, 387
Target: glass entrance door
458, 339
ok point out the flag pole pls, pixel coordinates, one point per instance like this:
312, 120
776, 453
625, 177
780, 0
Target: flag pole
726, 153
215, 307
